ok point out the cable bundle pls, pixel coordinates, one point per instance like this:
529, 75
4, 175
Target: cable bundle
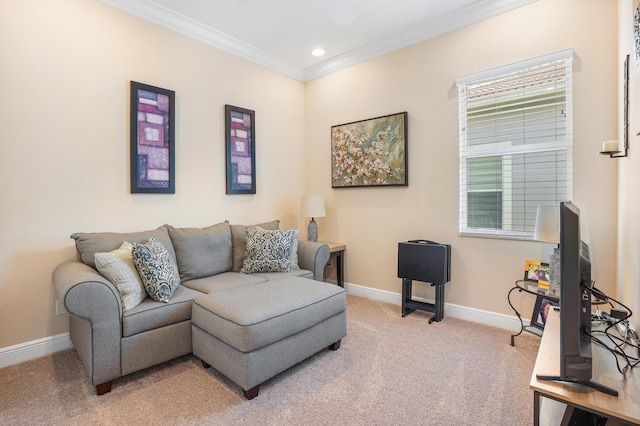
624, 338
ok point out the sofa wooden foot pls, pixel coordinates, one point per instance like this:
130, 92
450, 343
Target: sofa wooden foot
335, 346
252, 393
103, 388
205, 365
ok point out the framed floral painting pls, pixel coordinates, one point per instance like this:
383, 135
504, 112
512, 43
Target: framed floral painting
370, 152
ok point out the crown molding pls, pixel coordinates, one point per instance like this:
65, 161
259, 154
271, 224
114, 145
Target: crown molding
173, 21
152, 12
450, 22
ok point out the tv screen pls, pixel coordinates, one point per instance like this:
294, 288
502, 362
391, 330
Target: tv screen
575, 304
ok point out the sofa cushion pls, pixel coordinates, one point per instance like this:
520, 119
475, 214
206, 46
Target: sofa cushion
270, 276
251, 317
117, 266
223, 281
269, 251
157, 269
201, 252
239, 241
90, 243
150, 314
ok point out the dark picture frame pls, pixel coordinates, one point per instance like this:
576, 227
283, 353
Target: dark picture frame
370, 152
152, 139
240, 150
541, 311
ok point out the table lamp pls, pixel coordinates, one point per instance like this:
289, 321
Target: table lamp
313, 206
548, 231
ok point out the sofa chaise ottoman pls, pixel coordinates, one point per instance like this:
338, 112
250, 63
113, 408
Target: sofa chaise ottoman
115, 333
253, 333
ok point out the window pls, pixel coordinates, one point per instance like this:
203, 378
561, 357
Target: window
515, 137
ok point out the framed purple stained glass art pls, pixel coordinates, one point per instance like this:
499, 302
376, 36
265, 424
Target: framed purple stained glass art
152, 139
240, 150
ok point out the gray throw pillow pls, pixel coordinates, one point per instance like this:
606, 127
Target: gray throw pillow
157, 270
269, 251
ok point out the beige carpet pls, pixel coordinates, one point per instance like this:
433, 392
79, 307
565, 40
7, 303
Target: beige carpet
389, 371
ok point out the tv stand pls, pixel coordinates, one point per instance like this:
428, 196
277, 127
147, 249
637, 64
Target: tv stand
589, 383
553, 397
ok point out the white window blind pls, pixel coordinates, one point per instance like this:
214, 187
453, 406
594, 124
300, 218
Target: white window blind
515, 134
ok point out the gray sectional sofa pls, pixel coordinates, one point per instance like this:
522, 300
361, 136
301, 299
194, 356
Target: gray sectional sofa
249, 325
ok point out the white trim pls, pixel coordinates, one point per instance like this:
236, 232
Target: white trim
167, 18
34, 349
160, 15
493, 319
455, 20
566, 55
42, 347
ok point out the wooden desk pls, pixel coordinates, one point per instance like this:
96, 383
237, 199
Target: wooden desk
338, 249
624, 408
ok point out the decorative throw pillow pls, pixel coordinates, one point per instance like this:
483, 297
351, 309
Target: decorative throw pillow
269, 251
239, 241
157, 269
117, 266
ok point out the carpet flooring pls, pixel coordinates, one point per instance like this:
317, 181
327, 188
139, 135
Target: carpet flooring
389, 370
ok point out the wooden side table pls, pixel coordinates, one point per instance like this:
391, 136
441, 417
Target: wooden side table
621, 409
338, 249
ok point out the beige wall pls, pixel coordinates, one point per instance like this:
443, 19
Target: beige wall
64, 156
421, 80
629, 171
64, 141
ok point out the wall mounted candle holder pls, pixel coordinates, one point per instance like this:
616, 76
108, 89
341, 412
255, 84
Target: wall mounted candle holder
611, 148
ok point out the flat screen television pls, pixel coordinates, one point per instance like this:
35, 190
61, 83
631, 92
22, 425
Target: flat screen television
575, 304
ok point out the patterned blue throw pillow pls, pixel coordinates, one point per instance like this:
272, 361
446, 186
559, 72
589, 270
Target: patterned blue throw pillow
269, 251
157, 269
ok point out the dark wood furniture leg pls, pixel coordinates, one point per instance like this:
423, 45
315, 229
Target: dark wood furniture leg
339, 269
205, 365
252, 393
335, 345
103, 388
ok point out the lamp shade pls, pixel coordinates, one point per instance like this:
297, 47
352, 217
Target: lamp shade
547, 224
313, 206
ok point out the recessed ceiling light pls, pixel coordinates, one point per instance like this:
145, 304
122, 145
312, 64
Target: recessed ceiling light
317, 52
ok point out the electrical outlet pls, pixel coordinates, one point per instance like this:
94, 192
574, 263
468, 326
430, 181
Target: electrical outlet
60, 309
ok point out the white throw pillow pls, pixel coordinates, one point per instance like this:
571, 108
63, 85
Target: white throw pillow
117, 266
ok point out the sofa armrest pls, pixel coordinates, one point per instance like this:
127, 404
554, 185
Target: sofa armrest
314, 257
89, 296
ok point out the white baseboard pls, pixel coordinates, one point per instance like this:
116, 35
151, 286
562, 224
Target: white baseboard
34, 349
49, 345
508, 322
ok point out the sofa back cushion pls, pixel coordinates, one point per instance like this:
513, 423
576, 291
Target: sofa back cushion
90, 243
202, 252
239, 241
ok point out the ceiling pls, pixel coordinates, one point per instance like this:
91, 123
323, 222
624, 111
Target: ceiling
280, 34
